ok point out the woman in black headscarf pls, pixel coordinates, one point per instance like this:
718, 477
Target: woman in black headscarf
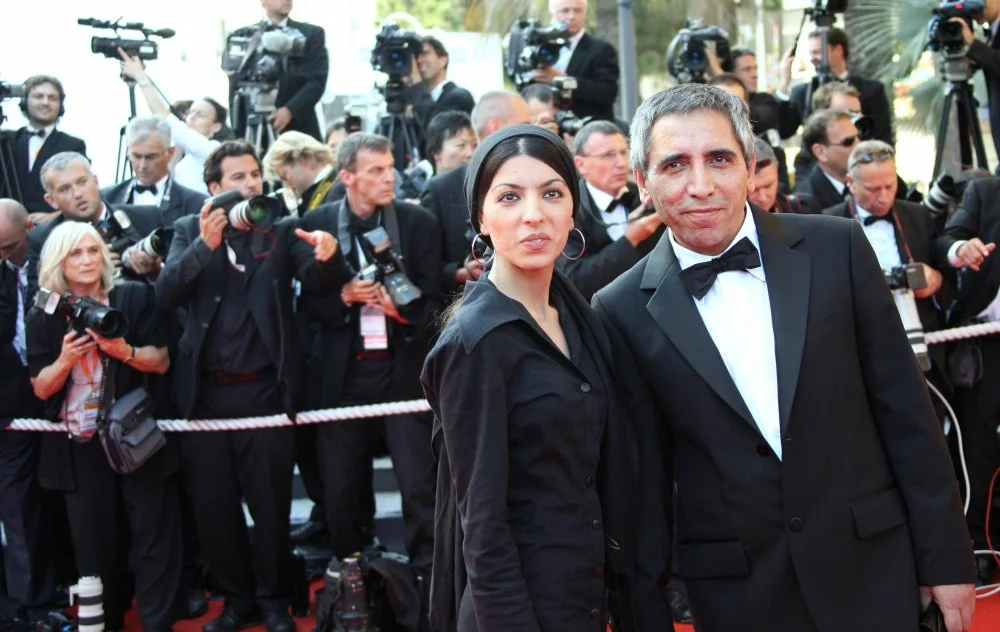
538, 480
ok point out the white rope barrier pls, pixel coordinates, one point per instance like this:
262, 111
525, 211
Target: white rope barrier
961, 333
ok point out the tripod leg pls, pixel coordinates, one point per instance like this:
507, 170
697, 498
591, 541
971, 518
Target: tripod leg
974, 130
942, 137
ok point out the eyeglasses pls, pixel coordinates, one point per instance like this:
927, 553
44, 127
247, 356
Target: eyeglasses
847, 142
609, 156
868, 157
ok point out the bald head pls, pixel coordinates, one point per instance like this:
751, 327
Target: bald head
497, 110
13, 231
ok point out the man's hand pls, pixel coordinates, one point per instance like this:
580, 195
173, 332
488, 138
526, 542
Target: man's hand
116, 260
211, 224
714, 67
324, 244
39, 218
974, 252
280, 119
140, 262
957, 603
385, 304
546, 74
641, 228
933, 282
358, 291
132, 67
966, 31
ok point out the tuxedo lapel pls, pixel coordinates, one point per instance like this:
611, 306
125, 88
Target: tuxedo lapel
580, 54
788, 280
47, 150
673, 309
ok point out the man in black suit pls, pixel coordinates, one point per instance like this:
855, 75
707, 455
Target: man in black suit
39, 140
766, 193
300, 89
798, 443
591, 61
444, 195
150, 149
29, 575
428, 89
829, 135
239, 357
987, 55
797, 102
615, 231
967, 244
72, 189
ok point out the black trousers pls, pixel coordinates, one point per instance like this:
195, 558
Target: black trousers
29, 577
222, 468
155, 555
307, 458
346, 449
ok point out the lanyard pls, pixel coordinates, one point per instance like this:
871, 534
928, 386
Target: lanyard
852, 208
321, 191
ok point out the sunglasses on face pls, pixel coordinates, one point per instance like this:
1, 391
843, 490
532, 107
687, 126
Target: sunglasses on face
868, 157
847, 142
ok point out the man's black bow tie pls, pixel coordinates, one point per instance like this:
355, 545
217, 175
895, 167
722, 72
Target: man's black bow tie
625, 199
141, 188
699, 278
871, 219
38, 132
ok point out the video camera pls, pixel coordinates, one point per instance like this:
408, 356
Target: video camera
387, 269
263, 56
11, 91
395, 49
944, 35
531, 46
687, 57
145, 49
83, 312
260, 212
902, 280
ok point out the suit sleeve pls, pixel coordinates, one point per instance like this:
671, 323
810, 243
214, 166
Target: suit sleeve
187, 258
907, 426
591, 273
597, 84
424, 269
315, 69
961, 226
8, 311
420, 98
985, 56
470, 395
35, 243
876, 106
456, 99
431, 201
790, 111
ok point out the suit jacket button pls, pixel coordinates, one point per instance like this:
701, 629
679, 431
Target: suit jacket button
599, 572
596, 524
205, 324
585, 387
763, 449
588, 481
796, 524
595, 613
217, 299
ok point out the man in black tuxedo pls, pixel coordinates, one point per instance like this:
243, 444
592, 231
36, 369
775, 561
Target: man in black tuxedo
591, 61
797, 102
29, 574
444, 195
615, 231
39, 140
830, 135
812, 485
239, 357
967, 244
298, 90
71, 188
428, 89
150, 149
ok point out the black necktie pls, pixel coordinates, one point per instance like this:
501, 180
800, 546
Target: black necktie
141, 188
699, 278
846, 193
871, 219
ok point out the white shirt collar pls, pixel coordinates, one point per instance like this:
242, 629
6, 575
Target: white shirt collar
161, 184
324, 172
837, 184
602, 199
687, 258
573, 41
282, 24
438, 89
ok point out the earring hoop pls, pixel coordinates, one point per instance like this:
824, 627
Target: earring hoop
474, 257
583, 246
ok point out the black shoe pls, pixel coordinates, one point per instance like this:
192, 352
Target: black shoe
986, 567
279, 621
680, 611
310, 532
195, 603
231, 620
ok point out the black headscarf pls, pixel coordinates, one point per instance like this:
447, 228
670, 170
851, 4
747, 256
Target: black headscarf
475, 169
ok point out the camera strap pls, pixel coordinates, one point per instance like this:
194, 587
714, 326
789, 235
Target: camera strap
107, 388
389, 221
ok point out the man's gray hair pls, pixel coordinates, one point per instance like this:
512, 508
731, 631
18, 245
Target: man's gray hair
606, 128
687, 99
142, 127
347, 153
869, 152
492, 105
60, 162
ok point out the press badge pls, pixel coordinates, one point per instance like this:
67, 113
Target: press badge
88, 416
373, 328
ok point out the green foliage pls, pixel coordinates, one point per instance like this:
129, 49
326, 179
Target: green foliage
448, 15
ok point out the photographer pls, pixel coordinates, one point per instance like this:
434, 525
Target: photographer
796, 102
767, 194
592, 61
68, 370
428, 89
829, 135
300, 89
304, 165
239, 357
987, 55
368, 348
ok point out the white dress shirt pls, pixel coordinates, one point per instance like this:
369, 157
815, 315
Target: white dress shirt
20, 341
148, 198
882, 236
737, 313
617, 218
438, 89
837, 184
567, 51
35, 143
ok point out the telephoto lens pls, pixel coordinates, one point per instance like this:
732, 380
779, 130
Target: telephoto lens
260, 212
89, 595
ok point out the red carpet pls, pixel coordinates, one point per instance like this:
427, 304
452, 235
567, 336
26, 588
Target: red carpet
987, 618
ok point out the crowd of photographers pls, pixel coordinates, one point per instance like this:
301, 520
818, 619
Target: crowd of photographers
328, 292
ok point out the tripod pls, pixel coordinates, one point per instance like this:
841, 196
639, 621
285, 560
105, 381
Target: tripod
10, 187
397, 127
258, 101
123, 168
958, 95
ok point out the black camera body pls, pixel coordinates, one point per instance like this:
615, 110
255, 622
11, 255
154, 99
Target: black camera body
83, 313
944, 35
395, 49
687, 56
569, 123
531, 46
264, 56
906, 277
145, 49
387, 268
11, 91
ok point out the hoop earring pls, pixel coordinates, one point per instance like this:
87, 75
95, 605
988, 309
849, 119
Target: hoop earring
583, 246
474, 257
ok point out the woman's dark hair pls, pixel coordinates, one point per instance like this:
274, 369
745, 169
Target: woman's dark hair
225, 132
228, 149
443, 126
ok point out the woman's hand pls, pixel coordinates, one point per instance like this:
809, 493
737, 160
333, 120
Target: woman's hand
116, 348
132, 66
74, 347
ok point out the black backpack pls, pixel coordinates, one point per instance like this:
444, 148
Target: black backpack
373, 592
